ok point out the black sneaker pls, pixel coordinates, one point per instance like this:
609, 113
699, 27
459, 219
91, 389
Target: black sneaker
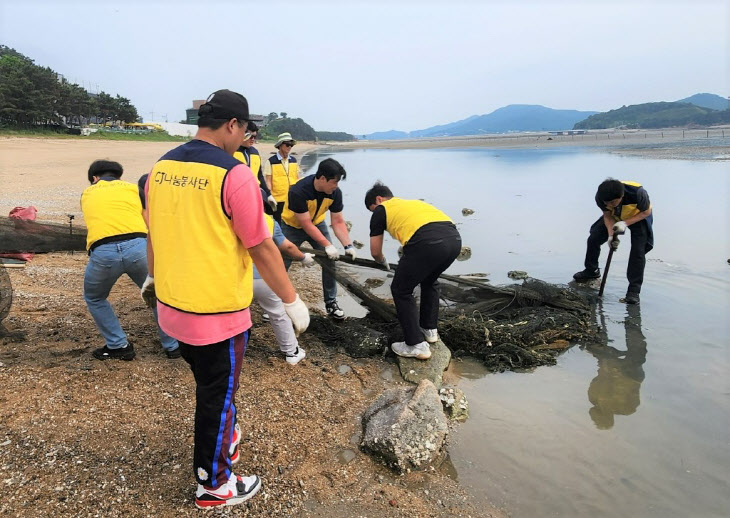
587, 274
334, 311
173, 353
125, 353
631, 298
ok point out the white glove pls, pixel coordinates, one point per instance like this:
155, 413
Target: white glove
272, 202
308, 260
148, 292
619, 228
613, 242
385, 264
299, 315
332, 252
350, 250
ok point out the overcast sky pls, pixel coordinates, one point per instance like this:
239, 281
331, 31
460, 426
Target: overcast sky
378, 65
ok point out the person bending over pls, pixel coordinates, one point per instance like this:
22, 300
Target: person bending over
303, 219
431, 243
117, 244
624, 205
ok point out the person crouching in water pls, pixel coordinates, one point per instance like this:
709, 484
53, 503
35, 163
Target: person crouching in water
430, 244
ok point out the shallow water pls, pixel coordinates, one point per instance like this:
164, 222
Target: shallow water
636, 425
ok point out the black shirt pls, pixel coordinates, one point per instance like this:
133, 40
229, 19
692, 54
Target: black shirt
303, 191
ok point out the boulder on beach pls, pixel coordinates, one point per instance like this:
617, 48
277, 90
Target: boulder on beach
467, 212
517, 274
406, 427
415, 370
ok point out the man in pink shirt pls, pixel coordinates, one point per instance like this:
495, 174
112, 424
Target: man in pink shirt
206, 229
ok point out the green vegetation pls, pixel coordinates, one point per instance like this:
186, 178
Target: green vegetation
655, 115
40, 132
32, 96
300, 130
336, 136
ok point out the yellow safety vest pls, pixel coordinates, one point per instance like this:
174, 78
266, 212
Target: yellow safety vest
404, 217
629, 210
253, 162
317, 215
111, 208
280, 179
200, 264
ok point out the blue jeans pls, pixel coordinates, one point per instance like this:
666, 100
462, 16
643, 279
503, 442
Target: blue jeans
299, 236
106, 264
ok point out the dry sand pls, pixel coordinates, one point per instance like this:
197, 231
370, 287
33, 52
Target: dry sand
81, 437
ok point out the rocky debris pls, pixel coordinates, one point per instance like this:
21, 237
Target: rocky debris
455, 404
464, 254
517, 274
357, 244
348, 224
373, 282
415, 370
406, 427
467, 212
358, 340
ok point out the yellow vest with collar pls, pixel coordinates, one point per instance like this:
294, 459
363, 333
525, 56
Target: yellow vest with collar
404, 217
200, 264
280, 179
111, 208
317, 215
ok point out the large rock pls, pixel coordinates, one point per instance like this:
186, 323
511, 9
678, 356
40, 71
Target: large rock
415, 370
406, 427
455, 404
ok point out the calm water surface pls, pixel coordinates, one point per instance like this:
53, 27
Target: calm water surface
635, 425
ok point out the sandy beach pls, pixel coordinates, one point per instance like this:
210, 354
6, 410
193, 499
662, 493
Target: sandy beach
81, 437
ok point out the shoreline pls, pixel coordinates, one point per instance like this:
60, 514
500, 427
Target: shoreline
705, 144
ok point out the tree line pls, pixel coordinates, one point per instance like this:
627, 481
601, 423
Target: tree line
656, 115
276, 124
33, 96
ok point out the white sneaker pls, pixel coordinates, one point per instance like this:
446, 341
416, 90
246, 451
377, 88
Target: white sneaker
296, 356
431, 335
265, 317
237, 490
421, 351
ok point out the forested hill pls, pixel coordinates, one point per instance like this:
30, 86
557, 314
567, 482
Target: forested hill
656, 115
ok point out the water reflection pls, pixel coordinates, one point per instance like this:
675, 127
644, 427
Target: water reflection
615, 389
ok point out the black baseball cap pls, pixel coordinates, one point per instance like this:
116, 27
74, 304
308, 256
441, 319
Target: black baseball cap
225, 104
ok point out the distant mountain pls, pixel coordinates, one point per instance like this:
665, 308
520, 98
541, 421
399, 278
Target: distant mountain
655, 115
711, 101
515, 117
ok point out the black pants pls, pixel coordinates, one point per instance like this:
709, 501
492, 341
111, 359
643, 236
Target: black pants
427, 255
641, 244
216, 369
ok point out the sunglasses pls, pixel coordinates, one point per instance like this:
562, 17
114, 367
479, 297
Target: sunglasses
290, 144
248, 136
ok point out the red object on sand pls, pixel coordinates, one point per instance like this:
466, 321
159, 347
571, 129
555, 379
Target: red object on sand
26, 214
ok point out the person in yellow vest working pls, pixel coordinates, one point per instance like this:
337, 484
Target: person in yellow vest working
431, 243
117, 244
303, 219
206, 230
624, 205
249, 155
271, 303
281, 171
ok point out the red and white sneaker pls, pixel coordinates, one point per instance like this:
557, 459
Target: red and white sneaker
233, 450
237, 490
